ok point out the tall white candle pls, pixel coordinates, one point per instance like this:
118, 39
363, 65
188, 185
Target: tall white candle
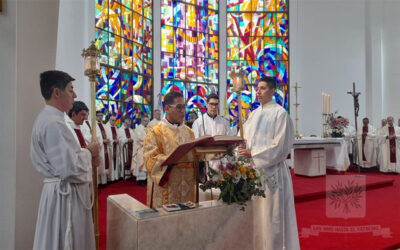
329, 103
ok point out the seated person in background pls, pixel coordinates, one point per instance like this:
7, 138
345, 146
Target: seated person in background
164, 184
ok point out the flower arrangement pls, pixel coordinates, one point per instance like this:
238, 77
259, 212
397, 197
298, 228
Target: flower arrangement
336, 124
237, 180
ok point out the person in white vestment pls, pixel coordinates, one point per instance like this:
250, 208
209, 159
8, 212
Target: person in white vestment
269, 136
389, 148
75, 121
125, 137
105, 152
211, 123
65, 211
137, 167
157, 118
112, 133
366, 138
379, 132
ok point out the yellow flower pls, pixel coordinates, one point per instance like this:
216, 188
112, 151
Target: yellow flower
251, 175
242, 170
219, 182
225, 175
234, 174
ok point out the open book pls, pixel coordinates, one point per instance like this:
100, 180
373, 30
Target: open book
203, 141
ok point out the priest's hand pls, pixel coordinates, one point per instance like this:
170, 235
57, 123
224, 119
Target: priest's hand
242, 151
94, 148
130, 140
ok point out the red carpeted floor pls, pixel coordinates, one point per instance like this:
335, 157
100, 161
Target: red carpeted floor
122, 187
371, 220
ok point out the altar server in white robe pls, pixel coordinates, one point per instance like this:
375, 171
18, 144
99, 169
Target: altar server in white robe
157, 118
211, 123
65, 211
125, 137
367, 145
137, 168
269, 136
112, 134
389, 148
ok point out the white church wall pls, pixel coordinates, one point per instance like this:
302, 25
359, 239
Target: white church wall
75, 32
391, 58
327, 54
373, 63
36, 34
7, 123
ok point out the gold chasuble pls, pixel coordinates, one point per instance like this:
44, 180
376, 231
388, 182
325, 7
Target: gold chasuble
167, 184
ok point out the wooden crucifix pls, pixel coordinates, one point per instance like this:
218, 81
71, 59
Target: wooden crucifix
356, 109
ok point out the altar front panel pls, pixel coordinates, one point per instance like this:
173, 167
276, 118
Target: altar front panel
213, 225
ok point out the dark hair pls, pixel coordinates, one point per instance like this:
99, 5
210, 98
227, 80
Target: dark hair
157, 110
53, 79
212, 96
269, 80
77, 107
366, 118
98, 112
170, 97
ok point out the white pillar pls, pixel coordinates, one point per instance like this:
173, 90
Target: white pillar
27, 49
156, 55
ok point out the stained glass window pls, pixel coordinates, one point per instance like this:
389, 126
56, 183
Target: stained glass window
257, 42
124, 34
189, 50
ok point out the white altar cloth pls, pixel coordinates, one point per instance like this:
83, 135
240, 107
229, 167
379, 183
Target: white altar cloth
337, 156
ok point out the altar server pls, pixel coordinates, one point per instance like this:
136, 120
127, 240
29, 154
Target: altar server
211, 123
269, 136
65, 211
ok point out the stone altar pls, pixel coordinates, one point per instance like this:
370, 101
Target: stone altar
213, 225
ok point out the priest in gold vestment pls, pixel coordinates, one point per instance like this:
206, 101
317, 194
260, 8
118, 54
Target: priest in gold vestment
174, 183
